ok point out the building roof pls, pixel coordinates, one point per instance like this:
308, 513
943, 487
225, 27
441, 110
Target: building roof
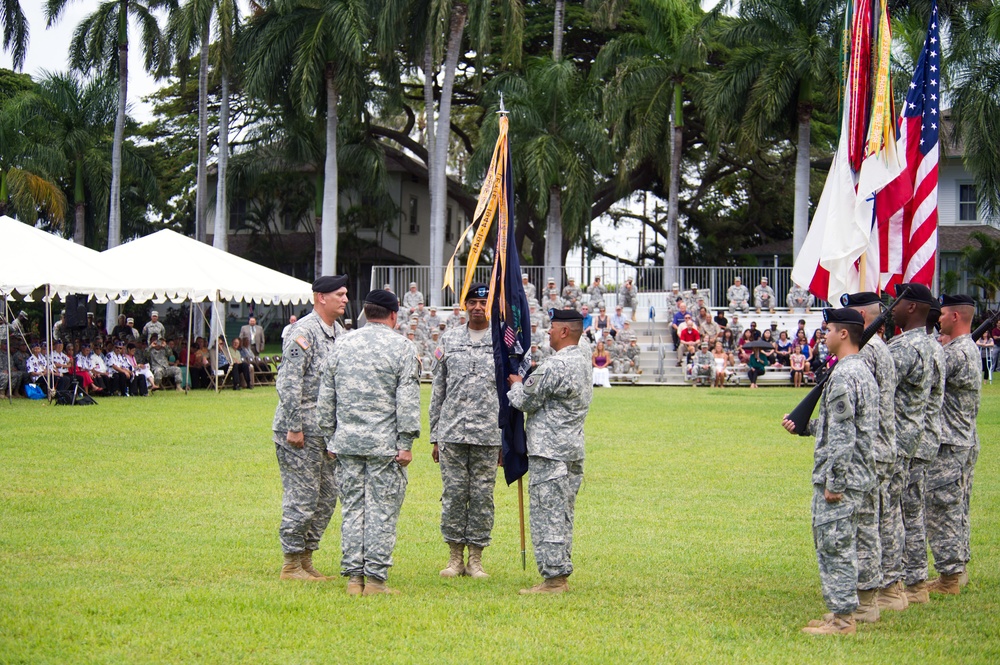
955, 238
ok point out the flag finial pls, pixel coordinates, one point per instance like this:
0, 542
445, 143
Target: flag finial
503, 109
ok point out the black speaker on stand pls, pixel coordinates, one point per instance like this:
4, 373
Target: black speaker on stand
76, 311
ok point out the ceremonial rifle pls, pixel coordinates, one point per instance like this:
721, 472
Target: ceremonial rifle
987, 323
800, 414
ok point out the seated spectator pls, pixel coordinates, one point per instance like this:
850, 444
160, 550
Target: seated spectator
702, 365
121, 330
601, 361
588, 321
79, 374
784, 348
626, 334
252, 356
721, 360
38, 368
242, 365
797, 361
16, 376
744, 340
221, 360
93, 364
820, 356
730, 345
677, 322
801, 339
142, 377
707, 327
753, 331
130, 334
602, 323
689, 338
618, 320
771, 353
756, 365
59, 362
164, 364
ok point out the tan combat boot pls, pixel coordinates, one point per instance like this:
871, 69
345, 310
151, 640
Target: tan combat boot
551, 585
455, 568
950, 585
917, 593
892, 597
292, 570
475, 567
355, 585
867, 611
374, 587
838, 624
306, 561
963, 578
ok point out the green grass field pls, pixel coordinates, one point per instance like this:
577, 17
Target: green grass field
145, 531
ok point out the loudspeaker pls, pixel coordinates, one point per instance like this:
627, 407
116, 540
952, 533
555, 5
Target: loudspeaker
76, 311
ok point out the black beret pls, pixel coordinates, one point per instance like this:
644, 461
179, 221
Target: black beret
859, 299
918, 293
566, 315
478, 290
845, 316
383, 299
956, 300
329, 283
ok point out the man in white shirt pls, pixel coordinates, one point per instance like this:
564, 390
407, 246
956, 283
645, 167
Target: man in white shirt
291, 322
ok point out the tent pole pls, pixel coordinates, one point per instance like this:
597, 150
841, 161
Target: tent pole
6, 316
190, 384
48, 337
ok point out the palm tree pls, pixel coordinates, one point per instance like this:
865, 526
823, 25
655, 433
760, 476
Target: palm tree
315, 50
784, 60
77, 118
645, 99
15, 30
26, 165
983, 263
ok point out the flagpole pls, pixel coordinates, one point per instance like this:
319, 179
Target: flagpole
520, 510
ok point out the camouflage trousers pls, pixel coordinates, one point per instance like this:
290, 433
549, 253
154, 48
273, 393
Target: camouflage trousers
891, 523
967, 473
915, 550
946, 520
371, 494
169, 372
869, 530
468, 477
309, 493
552, 490
835, 530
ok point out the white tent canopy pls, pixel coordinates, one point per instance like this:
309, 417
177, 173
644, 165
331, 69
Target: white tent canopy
169, 266
31, 258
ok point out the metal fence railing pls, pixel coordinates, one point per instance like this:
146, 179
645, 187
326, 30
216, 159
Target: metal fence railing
651, 281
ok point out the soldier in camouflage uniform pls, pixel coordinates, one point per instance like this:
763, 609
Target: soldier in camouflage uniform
843, 471
159, 363
412, 298
555, 399
912, 355
703, 366
628, 296
949, 477
915, 552
369, 410
763, 296
632, 354
467, 447
529, 289
307, 472
738, 296
799, 299
572, 294
874, 518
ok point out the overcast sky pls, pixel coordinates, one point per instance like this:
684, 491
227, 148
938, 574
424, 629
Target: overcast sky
48, 50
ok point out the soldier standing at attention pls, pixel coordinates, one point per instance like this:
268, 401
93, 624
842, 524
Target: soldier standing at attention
467, 448
873, 517
307, 472
911, 353
949, 477
843, 470
369, 410
555, 399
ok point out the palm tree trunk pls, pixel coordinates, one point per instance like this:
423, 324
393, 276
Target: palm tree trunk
219, 238
554, 230
79, 205
671, 254
115, 211
201, 190
557, 30
318, 224
329, 229
801, 218
439, 162
429, 100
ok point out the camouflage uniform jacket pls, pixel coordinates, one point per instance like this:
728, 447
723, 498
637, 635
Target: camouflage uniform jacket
963, 382
627, 295
572, 294
763, 296
911, 353
464, 390
411, 299
369, 398
159, 358
931, 440
738, 295
799, 297
875, 355
304, 352
595, 294
556, 398
530, 292
846, 429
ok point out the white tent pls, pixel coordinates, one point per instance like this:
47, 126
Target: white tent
169, 266
31, 259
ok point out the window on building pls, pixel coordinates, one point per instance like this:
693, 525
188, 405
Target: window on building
449, 234
237, 214
289, 221
414, 226
968, 206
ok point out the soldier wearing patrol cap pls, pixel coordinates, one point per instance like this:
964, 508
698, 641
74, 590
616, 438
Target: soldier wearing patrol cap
556, 399
738, 296
529, 288
465, 439
307, 472
843, 470
412, 298
949, 476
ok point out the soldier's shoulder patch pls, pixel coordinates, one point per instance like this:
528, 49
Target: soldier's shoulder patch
439, 353
530, 381
294, 352
841, 407
302, 342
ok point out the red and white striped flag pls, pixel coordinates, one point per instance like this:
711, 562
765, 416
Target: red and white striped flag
907, 209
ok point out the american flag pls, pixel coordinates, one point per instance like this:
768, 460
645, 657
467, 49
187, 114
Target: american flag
907, 208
